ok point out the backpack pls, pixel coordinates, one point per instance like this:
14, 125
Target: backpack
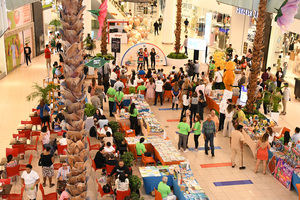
106, 189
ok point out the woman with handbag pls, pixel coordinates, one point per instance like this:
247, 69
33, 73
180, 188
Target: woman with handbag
46, 161
44, 113
201, 104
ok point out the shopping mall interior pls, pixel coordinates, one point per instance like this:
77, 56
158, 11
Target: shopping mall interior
149, 99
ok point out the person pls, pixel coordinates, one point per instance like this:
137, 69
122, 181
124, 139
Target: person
62, 177
109, 149
111, 160
165, 190
228, 120
184, 130
271, 135
63, 141
45, 136
285, 97
64, 195
236, 143
286, 138
278, 62
185, 104
296, 136
31, 180
122, 148
111, 93
58, 43
141, 71
212, 67
266, 75
279, 77
194, 107
27, 53
113, 77
236, 59
196, 70
122, 183
105, 129
44, 113
99, 158
160, 21
141, 89
46, 161
249, 55
10, 162
186, 24
119, 97
197, 131
156, 27
201, 104
215, 118
159, 90
152, 58
48, 59
132, 84
108, 138
175, 95
119, 84
140, 147
229, 51
120, 169
146, 60
140, 59
185, 45
133, 118
98, 114
150, 92
209, 132
262, 152
242, 80
241, 115
218, 78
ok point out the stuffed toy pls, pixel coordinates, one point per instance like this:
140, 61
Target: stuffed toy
229, 76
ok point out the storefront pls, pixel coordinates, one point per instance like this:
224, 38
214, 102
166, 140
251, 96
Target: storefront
20, 31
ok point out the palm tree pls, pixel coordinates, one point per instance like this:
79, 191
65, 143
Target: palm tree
56, 23
73, 91
104, 37
258, 45
178, 27
40, 92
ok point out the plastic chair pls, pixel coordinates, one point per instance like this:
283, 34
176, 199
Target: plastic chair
27, 133
100, 190
109, 168
122, 194
32, 147
21, 135
14, 152
298, 189
22, 166
136, 157
56, 166
16, 196
61, 149
168, 95
130, 133
5, 181
94, 146
147, 160
20, 147
35, 133
36, 121
284, 129
50, 196
25, 122
12, 171
157, 195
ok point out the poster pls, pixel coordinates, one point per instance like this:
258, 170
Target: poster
19, 17
284, 173
130, 56
14, 51
3, 17
47, 3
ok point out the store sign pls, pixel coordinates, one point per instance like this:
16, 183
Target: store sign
250, 13
116, 45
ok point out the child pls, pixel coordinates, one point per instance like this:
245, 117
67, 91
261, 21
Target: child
197, 131
262, 152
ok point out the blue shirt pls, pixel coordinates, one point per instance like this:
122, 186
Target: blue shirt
42, 109
142, 72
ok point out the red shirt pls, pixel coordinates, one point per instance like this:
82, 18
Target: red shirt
47, 53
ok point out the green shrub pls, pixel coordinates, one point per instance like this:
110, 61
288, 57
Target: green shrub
119, 137
135, 196
106, 57
128, 158
174, 55
114, 126
89, 110
135, 183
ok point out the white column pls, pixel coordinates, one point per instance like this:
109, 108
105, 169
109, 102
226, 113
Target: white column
168, 26
87, 17
238, 31
2, 56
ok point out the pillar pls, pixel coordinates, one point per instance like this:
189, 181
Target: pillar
168, 26
2, 56
87, 17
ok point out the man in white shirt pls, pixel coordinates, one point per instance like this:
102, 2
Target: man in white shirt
218, 78
159, 90
31, 180
296, 136
113, 77
109, 149
201, 86
286, 97
63, 140
104, 130
119, 84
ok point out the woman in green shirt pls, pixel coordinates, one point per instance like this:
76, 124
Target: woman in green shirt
119, 98
133, 118
184, 130
197, 131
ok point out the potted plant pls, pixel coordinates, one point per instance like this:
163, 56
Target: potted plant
128, 159
89, 110
135, 183
118, 137
107, 56
135, 196
41, 92
114, 126
177, 59
56, 23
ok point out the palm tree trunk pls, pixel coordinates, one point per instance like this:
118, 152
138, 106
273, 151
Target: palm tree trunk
104, 37
178, 26
73, 91
258, 45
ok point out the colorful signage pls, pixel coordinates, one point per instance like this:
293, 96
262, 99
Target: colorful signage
284, 173
19, 17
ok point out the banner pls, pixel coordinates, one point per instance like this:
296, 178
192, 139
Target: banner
130, 57
14, 51
284, 173
19, 17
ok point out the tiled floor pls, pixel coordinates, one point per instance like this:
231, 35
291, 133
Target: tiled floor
14, 108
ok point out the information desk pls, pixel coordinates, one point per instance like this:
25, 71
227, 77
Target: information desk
163, 150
